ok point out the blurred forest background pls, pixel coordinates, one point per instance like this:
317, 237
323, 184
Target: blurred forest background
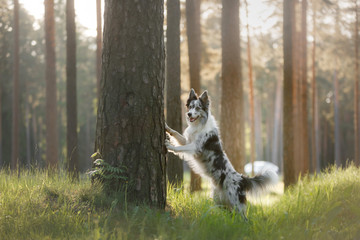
328, 89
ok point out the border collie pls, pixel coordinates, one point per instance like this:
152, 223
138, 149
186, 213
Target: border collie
201, 147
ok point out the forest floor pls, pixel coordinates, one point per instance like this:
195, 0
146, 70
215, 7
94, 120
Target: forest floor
35, 206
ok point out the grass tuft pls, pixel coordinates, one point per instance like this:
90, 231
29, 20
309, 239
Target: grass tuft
37, 206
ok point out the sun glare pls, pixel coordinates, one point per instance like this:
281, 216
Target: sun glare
259, 14
85, 12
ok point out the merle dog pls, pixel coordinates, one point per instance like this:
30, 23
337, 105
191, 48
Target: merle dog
201, 147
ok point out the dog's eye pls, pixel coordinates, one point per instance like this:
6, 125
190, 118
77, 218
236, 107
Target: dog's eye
197, 109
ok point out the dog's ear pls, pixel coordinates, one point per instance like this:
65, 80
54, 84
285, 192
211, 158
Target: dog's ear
204, 97
192, 97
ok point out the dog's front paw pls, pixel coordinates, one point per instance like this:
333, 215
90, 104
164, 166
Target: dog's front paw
168, 144
168, 129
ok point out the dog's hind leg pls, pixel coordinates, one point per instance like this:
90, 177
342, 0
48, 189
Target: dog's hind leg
180, 138
237, 200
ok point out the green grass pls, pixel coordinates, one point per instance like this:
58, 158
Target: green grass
35, 206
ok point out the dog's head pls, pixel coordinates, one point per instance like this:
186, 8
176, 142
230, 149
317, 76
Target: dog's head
198, 108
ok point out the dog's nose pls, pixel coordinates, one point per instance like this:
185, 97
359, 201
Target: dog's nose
189, 114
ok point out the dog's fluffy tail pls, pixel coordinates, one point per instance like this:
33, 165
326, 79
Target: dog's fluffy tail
261, 182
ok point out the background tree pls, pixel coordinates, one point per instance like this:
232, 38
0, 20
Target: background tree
337, 144
289, 174
314, 117
356, 87
193, 28
15, 103
98, 45
130, 124
173, 88
251, 93
71, 102
232, 119
50, 75
304, 89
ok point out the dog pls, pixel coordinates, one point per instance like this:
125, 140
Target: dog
200, 146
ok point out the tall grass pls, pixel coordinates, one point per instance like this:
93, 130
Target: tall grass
36, 206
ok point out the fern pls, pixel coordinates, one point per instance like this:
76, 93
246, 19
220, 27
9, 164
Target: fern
107, 173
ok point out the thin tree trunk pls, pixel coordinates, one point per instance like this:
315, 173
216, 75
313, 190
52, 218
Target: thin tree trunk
50, 76
356, 87
15, 102
296, 98
98, 45
1, 119
28, 136
71, 102
304, 119
35, 138
130, 122
173, 88
232, 88
251, 95
275, 157
260, 152
336, 95
314, 93
193, 28
336, 120
88, 139
288, 131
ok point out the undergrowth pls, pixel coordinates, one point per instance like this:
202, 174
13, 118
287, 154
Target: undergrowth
36, 206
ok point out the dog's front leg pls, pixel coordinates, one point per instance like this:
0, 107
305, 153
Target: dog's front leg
188, 148
180, 138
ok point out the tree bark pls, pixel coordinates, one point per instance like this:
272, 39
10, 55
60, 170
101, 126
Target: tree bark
314, 165
251, 95
356, 88
303, 89
337, 146
193, 28
98, 45
50, 76
130, 122
288, 131
173, 88
232, 120
15, 102
71, 101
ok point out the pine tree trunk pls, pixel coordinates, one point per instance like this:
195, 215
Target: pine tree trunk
98, 45
275, 156
15, 102
193, 27
251, 95
336, 120
303, 87
314, 149
232, 120
28, 135
337, 149
71, 101
356, 88
1, 121
173, 88
50, 76
288, 130
130, 123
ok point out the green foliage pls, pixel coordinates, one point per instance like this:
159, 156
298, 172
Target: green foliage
37, 206
104, 170
110, 177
